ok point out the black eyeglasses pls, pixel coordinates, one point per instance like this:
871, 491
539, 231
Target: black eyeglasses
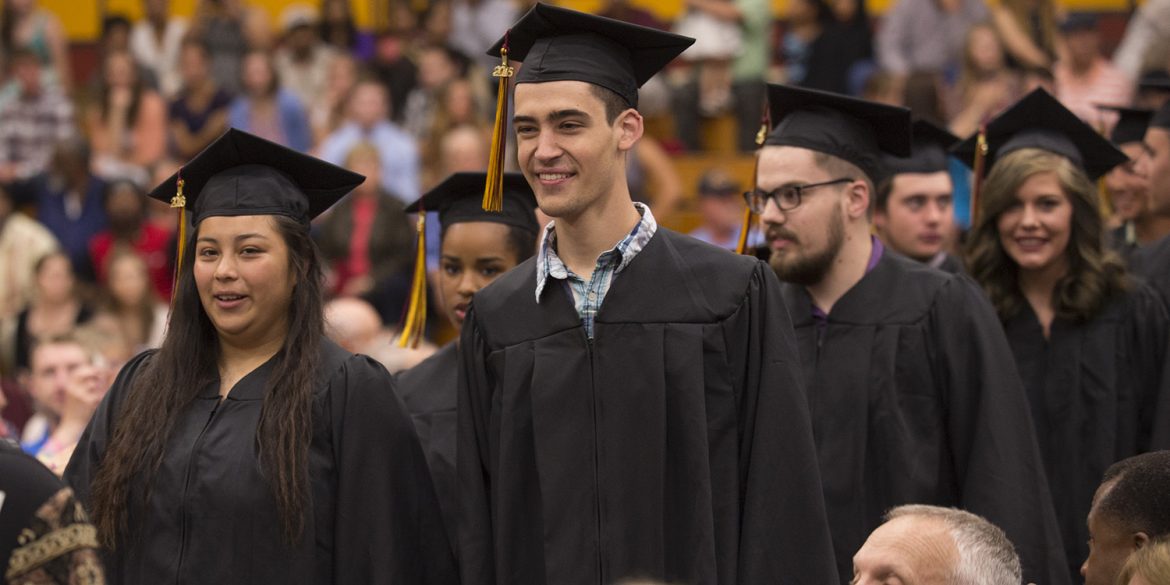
786, 198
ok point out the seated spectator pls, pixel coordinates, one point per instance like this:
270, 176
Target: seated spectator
72, 203
1028, 30
55, 308
23, 242
368, 120
54, 360
1084, 78
1150, 565
28, 26
267, 109
199, 112
129, 230
1131, 509
721, 207
116, 34
985, 86
366, 238
904, 48
352, 323
127, 125
30, 125
930, 545
303, 60
328, 113
625, 11
156, 42
456, 105
128, 296
462, 148
391, 65
715, 25
338, 30
67, 371
475, 24
219, 25
438, 65
42, 514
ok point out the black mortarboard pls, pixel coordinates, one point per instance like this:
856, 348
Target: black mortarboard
1161, 118
242, 174
1040, 121
1131, 124
558, 44
457, 199
856, 130
929, 153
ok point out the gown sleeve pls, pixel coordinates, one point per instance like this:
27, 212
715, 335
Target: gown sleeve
475, 535
388, 528
785, 532
992, 440
1149, 329
87, 456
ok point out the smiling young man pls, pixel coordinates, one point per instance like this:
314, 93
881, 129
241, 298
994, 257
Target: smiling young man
912, 389
629, 405
1153, 261
913, 214
1129, 188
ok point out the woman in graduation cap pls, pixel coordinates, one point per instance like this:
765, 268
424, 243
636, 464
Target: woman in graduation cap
476, 247
249, 448
1089, 342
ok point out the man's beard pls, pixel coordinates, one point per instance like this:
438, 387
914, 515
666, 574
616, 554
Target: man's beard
811, 269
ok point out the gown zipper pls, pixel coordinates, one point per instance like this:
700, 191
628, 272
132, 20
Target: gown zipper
186, 487
596, 457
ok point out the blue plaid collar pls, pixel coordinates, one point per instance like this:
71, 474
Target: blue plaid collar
549, 264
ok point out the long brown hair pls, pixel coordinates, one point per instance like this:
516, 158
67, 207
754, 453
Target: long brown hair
1094, 274
186, 363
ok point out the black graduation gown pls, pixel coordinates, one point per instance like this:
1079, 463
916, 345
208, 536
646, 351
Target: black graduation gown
915, 399
428, 391
1153, 264
1094, 391
211, 517
674, 445
951, 264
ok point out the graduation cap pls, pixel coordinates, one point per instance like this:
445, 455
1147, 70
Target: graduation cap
1161, 118
1156, 80
243, 174
558, 44
929, 154
1040, 121
855, 130
458, 199
1131, 123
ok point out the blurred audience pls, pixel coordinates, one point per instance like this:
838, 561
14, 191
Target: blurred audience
1028, 31
303, 59
902, 48
266, 108
71, 203
129, 230
721, 207
156, 42
475, 25
25, 26
127, 124
327, 113
438, 65
219, 24
129, 297
199, 111
55, 308
985, 86
368, 120
1145, 46
31, 123
456, 106
23, 242
1084, 78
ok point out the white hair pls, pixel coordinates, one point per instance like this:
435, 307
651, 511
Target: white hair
986, 556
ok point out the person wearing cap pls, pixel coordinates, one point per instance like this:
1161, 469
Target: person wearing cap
913, 213
1129, 189
476, 248
1082, 77
909, 377
721, 207
1153, 262
1153, 89
1089, 344
629, 402
249, 448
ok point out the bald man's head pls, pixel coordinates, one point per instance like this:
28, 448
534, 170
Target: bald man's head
352, 323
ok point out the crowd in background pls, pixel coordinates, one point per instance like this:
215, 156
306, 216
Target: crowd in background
87, 259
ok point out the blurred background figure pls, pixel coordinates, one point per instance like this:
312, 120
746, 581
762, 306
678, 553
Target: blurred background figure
1084, 77
219, 25
55, 308
129, 298
328, 112
368, 119
199, 111
130, 231
24, 25
303, 60
352, 323
31, 124
23, 242
156, 42
266, 108
721, 207
71, 203
127, 124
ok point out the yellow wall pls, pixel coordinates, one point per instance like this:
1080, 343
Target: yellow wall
82, 18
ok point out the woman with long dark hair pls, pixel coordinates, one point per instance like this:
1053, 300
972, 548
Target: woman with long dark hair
249, 448
1090, 342
476, 248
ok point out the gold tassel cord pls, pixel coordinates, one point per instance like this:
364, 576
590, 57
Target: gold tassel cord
179, 201
493, 191
416, 312
748, 216
977, 169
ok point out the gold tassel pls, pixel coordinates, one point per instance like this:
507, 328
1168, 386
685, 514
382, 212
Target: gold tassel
179, 201
748, 216
416, 312
493, 190
977, 169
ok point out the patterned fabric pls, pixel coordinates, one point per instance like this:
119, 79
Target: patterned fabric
59, 546
30, 127
588, 296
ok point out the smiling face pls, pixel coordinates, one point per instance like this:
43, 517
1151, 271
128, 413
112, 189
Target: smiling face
1035, 230
804, 241
570, 154
917, 217
474, 254
243, 277
1128, 188
1156, 168
907, 550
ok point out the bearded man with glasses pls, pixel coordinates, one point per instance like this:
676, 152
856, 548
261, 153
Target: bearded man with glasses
913, 391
